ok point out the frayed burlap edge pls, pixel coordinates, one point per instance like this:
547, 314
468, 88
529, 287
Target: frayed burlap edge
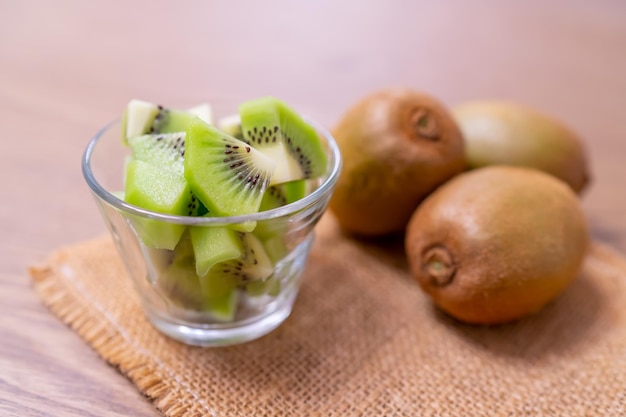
65, 301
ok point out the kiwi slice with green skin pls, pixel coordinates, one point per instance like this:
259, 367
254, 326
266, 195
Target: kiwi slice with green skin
165, 150
180, 284
279, 195
177, 278
253, 265
272, 233
278, 131
142, 117
223, 308
161, 191
214, 244
154, 180
270, 287
226, 174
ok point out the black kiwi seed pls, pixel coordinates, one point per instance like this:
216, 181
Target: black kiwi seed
160, 120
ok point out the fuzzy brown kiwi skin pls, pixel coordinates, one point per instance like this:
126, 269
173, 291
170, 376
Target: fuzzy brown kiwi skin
497, 243
508, 133
397, 145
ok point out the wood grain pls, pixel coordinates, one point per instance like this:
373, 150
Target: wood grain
68, 67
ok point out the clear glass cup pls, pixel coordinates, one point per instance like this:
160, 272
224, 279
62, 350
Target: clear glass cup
174, 298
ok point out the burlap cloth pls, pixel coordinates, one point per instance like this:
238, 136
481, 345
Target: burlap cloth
362, 340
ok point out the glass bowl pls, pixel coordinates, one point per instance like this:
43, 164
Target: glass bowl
176, 300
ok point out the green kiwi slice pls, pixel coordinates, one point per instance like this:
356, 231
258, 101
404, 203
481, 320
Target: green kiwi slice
161, 191
270, 287
166, 150
272, 233
155, 181
142, 117
272, 127
177, 279
253, 265
279, 195
226, 174
180, 284
214, 244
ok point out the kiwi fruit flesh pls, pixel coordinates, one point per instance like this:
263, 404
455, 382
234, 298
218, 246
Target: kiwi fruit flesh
253, 265
180, 284
214, 244
282, 194
506, 133
166, 150
157, 190
274, 128
397, 146
155, 181
497, 243
274, 233
227, 175
142, 117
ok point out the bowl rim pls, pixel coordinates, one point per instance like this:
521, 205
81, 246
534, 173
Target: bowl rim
325, 188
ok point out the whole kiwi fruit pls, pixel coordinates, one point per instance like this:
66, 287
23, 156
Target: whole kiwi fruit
397, 145
506, 133
497, 243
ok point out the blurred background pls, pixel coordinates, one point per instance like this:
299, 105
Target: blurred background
69, 67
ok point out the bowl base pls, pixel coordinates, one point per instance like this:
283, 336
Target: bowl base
197, 334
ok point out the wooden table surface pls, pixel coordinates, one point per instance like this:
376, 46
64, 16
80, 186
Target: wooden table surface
68, 67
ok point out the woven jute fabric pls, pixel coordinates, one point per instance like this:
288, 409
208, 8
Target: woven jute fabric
363, 340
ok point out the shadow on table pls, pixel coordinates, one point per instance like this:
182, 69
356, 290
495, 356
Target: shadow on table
561, 326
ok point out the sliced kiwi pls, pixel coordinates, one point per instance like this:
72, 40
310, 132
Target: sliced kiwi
228, 175
214, 244
279, 195
155, 181
161, 191
272, 233
269, 287
142, 117
278, 131
165, 150
223, 308
181, 285
158, 190
253, 265
178, 280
